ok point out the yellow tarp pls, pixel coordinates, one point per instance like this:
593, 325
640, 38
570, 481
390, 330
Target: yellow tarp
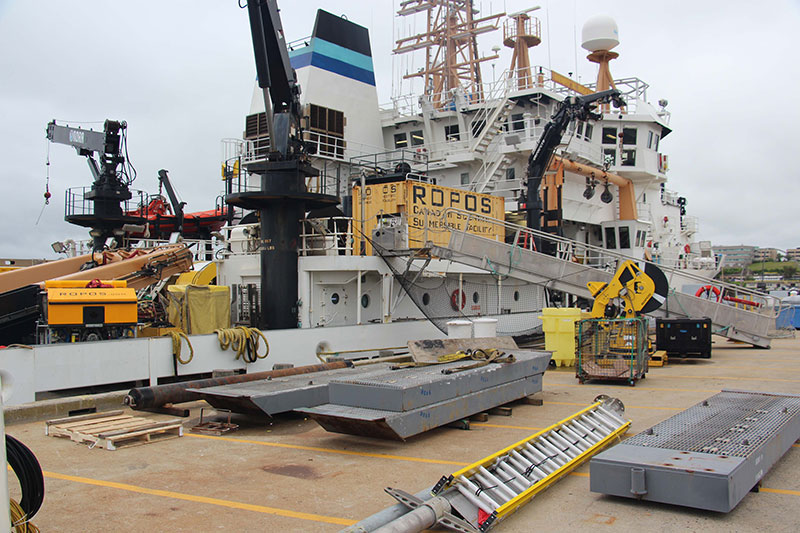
197, 309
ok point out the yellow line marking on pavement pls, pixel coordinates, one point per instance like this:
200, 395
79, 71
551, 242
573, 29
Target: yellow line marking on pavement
203, 499
749, 378
332, 450
581, 474
781, 491
628, 386
481, 424
627, 406
782, 369
795, 445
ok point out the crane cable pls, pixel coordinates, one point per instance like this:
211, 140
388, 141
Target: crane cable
244, 341
31, 480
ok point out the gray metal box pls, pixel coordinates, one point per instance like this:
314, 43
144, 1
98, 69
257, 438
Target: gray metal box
402, 425
406, 389
708, 456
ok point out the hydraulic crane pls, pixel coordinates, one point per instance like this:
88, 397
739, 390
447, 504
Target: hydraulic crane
112, 177
572, 108
283, 198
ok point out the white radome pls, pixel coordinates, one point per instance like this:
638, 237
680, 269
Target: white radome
600, 33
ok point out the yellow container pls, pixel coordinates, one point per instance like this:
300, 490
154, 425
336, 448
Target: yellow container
558, 324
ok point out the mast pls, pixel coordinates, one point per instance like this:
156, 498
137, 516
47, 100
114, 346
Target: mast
451, 50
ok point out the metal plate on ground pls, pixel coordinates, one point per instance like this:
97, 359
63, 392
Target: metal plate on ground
402, 425
279, 395
427, 351
707, 457
412, 388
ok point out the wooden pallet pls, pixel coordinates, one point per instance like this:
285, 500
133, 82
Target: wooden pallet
113, 429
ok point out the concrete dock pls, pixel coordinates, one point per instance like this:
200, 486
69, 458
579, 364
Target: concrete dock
288, 474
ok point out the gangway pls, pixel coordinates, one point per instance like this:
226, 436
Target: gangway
751, 320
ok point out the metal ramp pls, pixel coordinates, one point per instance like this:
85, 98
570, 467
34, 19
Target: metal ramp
577, 263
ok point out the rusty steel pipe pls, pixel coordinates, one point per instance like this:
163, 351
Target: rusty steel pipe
159, 395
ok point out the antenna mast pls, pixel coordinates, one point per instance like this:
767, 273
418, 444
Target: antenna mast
451, 50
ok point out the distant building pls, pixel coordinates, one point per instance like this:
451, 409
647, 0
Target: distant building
793, 254
736, 256
766, 254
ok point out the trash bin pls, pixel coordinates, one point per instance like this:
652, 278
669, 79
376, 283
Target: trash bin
558, 324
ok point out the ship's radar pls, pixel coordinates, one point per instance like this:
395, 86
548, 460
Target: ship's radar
600, 33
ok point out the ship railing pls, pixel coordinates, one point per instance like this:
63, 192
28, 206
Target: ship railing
202, 249
238, 179
509, 83
602, 258
326, 236
689, 224
76, 203
669, 197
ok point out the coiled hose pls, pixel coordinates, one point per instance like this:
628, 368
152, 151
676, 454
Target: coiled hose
244, 341
177, 337
31, 481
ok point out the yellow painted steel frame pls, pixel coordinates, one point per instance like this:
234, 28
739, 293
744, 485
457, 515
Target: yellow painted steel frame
523, 498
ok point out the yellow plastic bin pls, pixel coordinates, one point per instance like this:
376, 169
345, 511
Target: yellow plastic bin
558, 324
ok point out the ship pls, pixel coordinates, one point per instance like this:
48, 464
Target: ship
396, 219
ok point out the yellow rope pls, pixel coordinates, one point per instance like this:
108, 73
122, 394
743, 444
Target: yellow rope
176, 346
18, 520
244, 341
482, 358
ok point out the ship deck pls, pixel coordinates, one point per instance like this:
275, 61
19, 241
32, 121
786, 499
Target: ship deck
288, 474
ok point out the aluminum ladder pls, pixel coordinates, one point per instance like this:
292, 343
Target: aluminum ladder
496, 486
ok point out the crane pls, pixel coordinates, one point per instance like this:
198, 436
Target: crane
112, 176
572, 108
283, 199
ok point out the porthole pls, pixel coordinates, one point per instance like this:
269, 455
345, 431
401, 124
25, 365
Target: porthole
516, 296
426, 299
475, 297
335, 298
365, 300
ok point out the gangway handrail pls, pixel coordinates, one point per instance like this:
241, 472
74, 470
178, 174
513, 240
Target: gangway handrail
771, 305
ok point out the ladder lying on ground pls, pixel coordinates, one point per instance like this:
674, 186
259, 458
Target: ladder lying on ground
491, 489
753, 325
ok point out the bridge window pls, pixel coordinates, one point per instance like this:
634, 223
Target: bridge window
510, 173
649, 139
609, 135
400, 140
624, 237
628, 135
417, 138
451, 133
610, 156
517, 122
465, 178
628, 158
587, 134
611, 239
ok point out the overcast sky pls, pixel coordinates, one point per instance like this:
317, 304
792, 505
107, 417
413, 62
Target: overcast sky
181, 73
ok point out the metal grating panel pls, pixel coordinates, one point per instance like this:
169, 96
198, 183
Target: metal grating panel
729, 423
707, 457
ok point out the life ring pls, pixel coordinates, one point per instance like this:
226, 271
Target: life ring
687, 249
706, 291
454, 300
